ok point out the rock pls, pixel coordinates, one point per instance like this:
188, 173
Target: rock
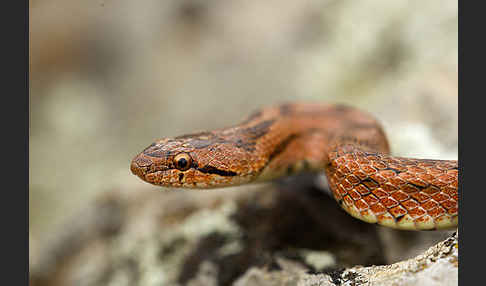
253, 235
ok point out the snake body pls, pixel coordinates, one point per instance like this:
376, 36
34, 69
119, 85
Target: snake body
349, 145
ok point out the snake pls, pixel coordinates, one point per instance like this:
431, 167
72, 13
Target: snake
347, 144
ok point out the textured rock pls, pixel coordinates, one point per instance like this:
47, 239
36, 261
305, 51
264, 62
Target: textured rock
264, 235
437, 266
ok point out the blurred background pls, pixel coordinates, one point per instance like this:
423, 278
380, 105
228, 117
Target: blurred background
108, 77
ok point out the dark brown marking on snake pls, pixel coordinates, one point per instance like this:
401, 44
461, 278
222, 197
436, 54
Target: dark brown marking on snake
417, 186
369, 183
342, 107
207, 134
285, 109
156, 154
181, 176
200, 144
213, 170
246, 145
203, 140
258, 130
372, 183
281, 147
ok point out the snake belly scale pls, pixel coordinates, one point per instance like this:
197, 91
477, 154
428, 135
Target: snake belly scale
349, 145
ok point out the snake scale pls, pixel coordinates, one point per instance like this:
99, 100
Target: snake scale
349, 145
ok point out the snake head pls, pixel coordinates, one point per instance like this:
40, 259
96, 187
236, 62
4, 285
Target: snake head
194, 161
165, 162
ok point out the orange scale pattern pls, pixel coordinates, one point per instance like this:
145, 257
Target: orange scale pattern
396, 192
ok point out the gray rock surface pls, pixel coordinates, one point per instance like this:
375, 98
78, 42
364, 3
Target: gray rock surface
266, 235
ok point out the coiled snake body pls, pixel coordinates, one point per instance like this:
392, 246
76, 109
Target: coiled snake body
348, 144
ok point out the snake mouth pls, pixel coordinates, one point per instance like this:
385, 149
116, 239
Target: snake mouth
150, 170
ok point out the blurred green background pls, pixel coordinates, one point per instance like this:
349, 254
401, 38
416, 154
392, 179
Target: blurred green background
108, 77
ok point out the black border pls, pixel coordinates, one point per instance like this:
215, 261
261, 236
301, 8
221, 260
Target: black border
14, 213
471, 143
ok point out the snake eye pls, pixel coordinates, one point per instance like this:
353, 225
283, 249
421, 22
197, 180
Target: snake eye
182, 161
